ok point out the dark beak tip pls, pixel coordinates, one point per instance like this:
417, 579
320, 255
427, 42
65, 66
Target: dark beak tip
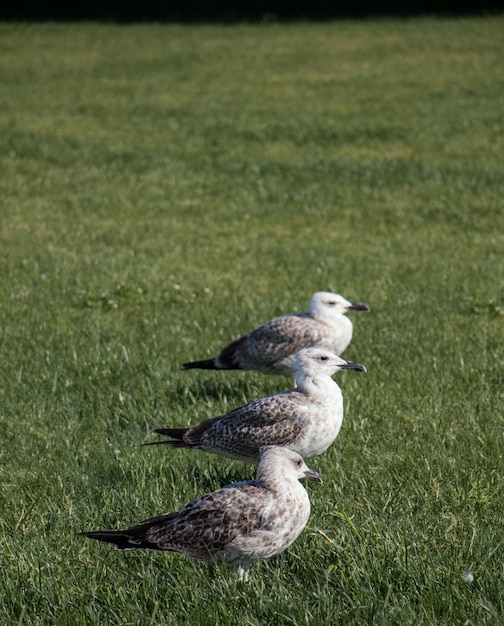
359, 306
354, 365
314, 476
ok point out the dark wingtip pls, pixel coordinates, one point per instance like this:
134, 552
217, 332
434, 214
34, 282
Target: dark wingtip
208, 364
109, 536
120, 540
177, 435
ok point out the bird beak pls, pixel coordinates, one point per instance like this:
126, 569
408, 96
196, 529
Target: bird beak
313, 475
358, 306
353, 365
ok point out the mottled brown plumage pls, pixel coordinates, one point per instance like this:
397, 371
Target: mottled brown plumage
238, 524
306, 419
271, 348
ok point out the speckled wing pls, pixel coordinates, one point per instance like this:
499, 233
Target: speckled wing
271, 342
203, 528
273, 420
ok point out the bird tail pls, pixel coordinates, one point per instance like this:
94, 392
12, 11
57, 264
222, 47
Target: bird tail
126, 538
208, 364
176, 440
117, 537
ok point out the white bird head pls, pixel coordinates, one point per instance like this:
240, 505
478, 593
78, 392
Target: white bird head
317, 362
283, 464
327, 305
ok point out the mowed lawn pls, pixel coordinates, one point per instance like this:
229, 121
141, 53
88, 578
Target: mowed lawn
166, 188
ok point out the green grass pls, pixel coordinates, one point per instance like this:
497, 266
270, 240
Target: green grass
165, 188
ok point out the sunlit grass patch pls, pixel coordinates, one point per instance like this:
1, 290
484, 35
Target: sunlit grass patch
167, 188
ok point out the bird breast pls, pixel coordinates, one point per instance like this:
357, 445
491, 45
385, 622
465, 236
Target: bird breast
277, 531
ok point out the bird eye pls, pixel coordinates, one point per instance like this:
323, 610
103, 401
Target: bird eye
324, 358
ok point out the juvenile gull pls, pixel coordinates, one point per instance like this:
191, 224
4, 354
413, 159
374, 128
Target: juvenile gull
271, 347
237, 524
306, 419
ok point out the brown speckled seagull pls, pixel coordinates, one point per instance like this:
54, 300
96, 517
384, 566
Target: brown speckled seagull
306, 419
238, 524
271, 347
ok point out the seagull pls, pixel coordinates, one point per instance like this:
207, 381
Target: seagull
271, 347
237, 524
306, 419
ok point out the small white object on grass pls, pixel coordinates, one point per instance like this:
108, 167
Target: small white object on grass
238, 524
271, 348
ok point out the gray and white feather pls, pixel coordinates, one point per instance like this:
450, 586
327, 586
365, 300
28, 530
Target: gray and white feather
271, 347
238, 524
306, 419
